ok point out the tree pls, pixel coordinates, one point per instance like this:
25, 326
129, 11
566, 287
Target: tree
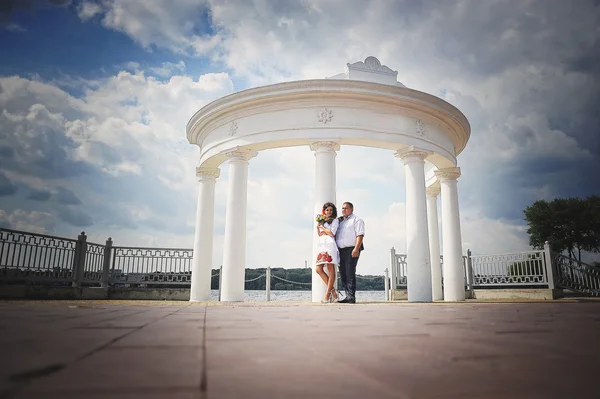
569, 224
593, 217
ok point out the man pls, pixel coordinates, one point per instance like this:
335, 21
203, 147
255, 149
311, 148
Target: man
349, 238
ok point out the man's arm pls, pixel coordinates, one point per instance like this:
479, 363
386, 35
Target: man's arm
359, 229
355, 251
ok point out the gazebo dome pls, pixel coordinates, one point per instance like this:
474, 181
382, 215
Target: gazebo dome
364, 106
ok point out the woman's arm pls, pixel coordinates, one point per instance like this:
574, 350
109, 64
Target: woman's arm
334, 225
327, 231
320, 229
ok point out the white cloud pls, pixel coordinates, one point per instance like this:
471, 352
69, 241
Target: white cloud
160, 23
15, 28
130, 127
488, 236
32, 221
87, 10
168, 69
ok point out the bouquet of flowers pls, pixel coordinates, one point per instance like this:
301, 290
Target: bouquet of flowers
321, 218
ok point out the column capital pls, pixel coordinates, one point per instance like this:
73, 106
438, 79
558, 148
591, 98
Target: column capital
324, 146
433, 190
207, 173
448, 174
412, 154
239, 153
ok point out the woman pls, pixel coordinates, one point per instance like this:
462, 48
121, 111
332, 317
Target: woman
329, 256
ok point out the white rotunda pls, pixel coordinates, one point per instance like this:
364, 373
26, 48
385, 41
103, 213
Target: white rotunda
364, 106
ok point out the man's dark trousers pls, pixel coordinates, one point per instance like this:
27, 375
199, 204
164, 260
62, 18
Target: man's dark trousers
348, 272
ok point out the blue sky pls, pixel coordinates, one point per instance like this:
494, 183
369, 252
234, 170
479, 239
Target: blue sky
95, 95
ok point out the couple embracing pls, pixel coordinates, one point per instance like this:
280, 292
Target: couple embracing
340, 244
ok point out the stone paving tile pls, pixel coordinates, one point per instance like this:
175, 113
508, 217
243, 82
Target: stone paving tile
134, 393
103, 349
52, 348
126, 368
429, 367
28, 343
270, 368
171, 331
133, 321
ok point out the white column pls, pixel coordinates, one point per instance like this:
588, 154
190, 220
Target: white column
434, 242
203, 240
234, 247
417, 236
325, 187
454, 275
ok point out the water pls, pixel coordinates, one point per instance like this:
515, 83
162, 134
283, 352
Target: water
306, 296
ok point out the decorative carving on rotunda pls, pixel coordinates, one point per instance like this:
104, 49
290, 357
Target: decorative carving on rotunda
325, 115
372, 63
240, 153
207, 173
412, 154
324, 146
448, 174
233, 126
433, 190
421, 129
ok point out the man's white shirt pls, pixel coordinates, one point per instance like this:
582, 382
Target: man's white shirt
348, 230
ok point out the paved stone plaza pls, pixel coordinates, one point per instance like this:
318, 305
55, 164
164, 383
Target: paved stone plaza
147, 350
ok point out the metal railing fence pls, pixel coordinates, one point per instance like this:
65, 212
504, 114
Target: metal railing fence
44, 259
36, 258
139, 265
399, 270
518, 269
575, 275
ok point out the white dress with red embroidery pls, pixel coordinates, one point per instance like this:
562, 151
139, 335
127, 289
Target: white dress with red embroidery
328, 250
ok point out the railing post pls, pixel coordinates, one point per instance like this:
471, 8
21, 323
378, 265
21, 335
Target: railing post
83, 238
79, 260
386, 285
393, 262
469, 271
268, 284
549, 265
220, 280
106, 264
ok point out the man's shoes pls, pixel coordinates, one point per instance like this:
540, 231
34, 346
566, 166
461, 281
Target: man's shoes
347, 300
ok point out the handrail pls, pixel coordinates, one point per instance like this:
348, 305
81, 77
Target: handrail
576, 275
153, 248
35, 234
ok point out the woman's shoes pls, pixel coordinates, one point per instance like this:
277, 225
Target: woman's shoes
329, 298
334, 295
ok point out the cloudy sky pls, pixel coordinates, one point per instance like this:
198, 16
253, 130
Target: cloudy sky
95, 96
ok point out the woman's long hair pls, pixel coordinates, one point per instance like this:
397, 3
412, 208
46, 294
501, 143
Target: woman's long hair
333, 215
